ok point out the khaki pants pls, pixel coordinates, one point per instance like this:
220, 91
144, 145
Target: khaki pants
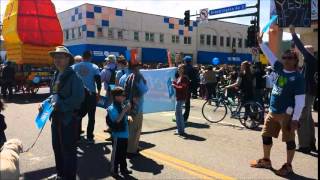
134, 133
306, 133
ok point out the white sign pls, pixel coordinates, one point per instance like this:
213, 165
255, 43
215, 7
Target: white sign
314, 9
204, 14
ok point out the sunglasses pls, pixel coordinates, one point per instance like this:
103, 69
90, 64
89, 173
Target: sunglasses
287, 57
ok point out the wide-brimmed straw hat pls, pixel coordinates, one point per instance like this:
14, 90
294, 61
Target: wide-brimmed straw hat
61, 50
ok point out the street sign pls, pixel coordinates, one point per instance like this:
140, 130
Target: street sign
227, 9
204, 14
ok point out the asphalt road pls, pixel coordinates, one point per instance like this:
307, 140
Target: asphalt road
210, 151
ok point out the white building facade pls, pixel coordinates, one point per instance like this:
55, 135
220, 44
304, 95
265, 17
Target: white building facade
105, 30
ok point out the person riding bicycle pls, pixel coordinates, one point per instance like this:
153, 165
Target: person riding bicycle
245, 82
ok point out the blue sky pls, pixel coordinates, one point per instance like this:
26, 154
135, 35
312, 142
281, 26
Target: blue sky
173, 8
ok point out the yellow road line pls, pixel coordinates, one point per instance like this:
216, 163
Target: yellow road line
175, 166
188, 165
178, 164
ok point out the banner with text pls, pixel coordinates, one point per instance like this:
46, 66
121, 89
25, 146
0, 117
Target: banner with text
297, 13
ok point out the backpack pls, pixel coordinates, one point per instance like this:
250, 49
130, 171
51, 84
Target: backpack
113, 76
114, 126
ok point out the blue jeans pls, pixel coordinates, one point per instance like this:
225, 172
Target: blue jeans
179, 117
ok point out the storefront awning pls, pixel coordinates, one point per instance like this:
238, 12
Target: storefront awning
99, 52
154, 55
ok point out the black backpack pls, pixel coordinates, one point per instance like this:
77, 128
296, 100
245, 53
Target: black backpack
113, 76
114, 126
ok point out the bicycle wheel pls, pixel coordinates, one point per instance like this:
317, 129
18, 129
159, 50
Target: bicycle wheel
251, 115
215, 111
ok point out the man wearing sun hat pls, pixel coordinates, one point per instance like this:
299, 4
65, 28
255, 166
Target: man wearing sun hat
67, 94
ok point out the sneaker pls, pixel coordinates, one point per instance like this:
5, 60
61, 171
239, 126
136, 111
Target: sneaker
261, 163
285, 170
305, 150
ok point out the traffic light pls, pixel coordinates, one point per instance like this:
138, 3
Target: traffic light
252, 34
187, 18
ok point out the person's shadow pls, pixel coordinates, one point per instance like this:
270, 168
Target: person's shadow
145, 164
293, 176
92, 163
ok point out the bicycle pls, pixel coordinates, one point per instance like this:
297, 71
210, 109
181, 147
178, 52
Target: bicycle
250, 114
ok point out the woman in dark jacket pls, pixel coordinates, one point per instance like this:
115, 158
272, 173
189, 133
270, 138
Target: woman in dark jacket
67, 94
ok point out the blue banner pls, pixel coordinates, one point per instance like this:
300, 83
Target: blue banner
227, 9
160, 96
44, 115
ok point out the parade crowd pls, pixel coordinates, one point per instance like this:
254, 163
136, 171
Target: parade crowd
287, 92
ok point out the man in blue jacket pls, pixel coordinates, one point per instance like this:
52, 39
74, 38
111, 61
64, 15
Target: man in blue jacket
306, 133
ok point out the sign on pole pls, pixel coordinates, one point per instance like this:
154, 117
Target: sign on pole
227, 9
297, 13
204, 14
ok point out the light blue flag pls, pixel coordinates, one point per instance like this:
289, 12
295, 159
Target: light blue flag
44, 115
160, 95
266, 28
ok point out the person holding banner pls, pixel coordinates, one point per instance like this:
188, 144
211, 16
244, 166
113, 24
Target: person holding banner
181, 84
135, 88
286, 104
67, 95
306, 133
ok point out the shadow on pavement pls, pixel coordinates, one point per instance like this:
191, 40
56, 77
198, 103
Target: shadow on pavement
294, 176
193, 137
145, 164
197, 125
188, 124
146, 145
39, 174
27, 99
92, 163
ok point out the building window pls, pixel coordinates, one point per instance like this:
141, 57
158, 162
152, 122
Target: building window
79, 32
152, 37
66, 34
202, 39
110, 33
147, 36
246, 43
175, 39
99, 32
233, 42
187, 40
228, 41
120, 34
240, 43
208, 40
161, 38
136, 36
214, 40
221, 41
73, 35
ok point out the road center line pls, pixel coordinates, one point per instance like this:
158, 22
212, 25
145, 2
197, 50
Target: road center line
181, 165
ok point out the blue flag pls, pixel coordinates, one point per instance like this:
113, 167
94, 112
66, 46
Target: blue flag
44, 115
273, 18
